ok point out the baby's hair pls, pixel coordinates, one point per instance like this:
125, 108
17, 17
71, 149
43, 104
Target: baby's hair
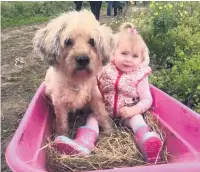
134, 36
123, 31
126, 26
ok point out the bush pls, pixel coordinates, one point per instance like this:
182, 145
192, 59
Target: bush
173, 24
175, 43
181, 81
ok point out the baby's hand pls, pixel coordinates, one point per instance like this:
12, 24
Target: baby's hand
126, 112
129, 111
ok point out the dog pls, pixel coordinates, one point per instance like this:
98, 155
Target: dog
76, 46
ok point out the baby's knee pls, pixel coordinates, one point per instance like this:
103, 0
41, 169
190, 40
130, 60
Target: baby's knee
136, 117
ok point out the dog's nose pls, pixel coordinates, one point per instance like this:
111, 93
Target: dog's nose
83, 60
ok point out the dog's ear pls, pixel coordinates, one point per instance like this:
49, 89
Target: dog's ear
47, 43
104, 43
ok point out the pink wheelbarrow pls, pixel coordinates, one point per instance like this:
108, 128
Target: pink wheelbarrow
181, 125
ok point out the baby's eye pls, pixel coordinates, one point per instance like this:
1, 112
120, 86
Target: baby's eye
124, 53
135, 56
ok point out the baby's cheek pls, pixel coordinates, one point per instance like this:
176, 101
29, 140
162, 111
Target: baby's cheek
138, 61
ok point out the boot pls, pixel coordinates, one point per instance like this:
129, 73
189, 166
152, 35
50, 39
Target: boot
83, 144
150, 144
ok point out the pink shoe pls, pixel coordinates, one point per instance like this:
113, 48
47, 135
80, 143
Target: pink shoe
149, 143
83, 144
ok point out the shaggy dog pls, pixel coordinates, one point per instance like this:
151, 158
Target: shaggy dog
75, 45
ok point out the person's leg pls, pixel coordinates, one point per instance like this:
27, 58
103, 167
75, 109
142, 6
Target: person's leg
116, 5
97, 9
92, 123
115, 11
135, 122
109, 8
78, 5
149, 142
84, 142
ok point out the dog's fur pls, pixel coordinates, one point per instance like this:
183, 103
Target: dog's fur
69, 87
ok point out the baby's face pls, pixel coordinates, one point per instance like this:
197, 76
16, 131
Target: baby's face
127, 57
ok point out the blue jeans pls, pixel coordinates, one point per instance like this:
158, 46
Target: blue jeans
109, 8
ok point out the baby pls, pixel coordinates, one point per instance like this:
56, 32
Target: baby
121, 82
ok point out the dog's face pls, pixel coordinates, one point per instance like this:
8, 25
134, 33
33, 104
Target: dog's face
75, 44
78, 53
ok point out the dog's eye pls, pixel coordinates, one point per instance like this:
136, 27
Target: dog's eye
91, 42
68, 41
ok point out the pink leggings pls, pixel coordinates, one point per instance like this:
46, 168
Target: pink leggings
134, 122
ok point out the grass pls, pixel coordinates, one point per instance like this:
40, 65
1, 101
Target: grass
23, 21
23, 13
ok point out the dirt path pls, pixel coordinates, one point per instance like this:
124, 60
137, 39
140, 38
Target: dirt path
22, 72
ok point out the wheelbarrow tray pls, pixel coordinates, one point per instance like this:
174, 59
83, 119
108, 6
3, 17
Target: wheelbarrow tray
181, 125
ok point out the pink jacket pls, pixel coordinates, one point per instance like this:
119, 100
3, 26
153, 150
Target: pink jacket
120, 89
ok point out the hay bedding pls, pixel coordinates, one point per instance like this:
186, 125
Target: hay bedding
114, 151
